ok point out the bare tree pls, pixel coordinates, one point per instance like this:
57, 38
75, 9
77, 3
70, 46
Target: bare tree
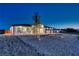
37, 25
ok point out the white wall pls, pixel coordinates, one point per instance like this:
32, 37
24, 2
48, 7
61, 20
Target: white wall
20, 30
24, 31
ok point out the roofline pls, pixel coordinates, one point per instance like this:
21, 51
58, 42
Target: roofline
21, 25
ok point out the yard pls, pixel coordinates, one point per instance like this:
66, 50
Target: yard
49, 45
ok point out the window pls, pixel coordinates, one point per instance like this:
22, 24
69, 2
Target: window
28, 29
19, 29
24, 29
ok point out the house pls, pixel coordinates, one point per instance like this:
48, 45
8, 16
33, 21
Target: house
48, 30
9, 32
57, 30
37, 28
27, 29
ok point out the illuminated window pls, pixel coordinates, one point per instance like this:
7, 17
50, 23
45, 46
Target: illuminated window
28, 29
19, 29
41, 30
24, 29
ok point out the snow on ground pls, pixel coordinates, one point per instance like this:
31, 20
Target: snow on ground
49, 45
12, 45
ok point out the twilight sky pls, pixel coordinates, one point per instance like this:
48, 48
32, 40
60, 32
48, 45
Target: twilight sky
55, 15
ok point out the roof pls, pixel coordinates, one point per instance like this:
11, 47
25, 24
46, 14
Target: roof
21, 25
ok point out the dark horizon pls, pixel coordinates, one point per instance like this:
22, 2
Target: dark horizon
58, 15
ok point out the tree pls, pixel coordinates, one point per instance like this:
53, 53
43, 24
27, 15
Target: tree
69, 30
36, 19
36, 24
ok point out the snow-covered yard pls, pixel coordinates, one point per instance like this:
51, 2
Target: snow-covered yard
49, 45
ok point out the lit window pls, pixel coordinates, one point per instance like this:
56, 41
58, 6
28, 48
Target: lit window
24, 29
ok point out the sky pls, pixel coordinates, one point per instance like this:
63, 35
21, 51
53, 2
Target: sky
57, 15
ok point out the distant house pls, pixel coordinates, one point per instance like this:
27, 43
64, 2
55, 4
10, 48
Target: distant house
57, 30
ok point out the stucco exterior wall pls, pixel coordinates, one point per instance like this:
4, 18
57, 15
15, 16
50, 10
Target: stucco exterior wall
21, 30
30, 30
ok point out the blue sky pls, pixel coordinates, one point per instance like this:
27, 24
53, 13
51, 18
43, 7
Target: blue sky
55, 15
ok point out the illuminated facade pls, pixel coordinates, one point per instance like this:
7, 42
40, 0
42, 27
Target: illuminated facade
37, 28
25, 29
